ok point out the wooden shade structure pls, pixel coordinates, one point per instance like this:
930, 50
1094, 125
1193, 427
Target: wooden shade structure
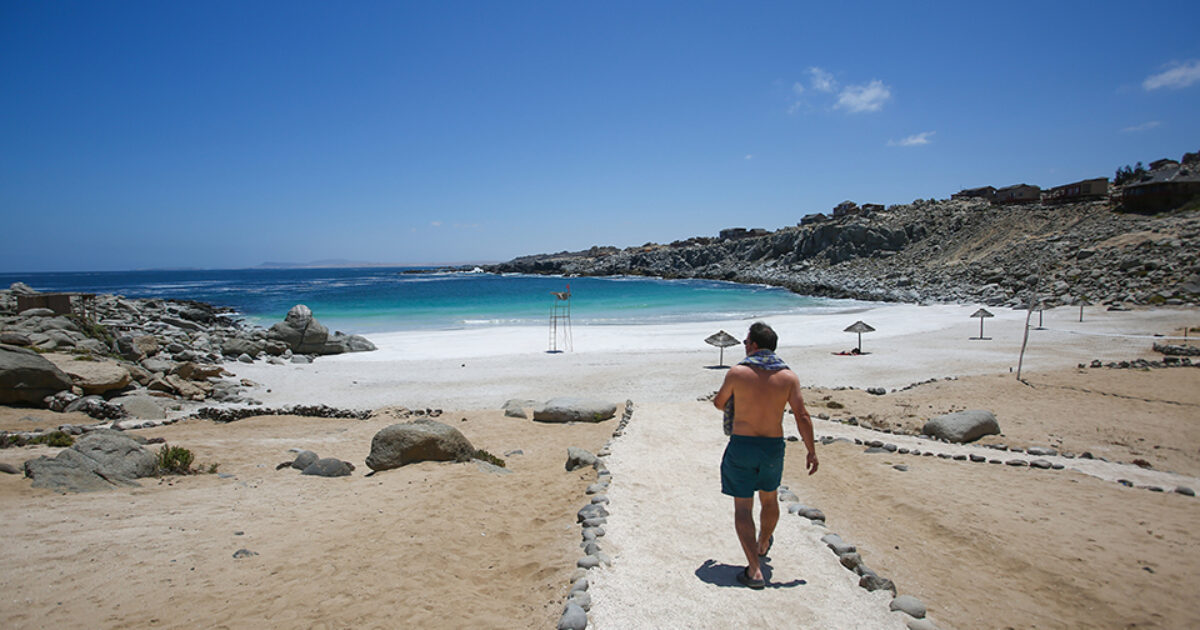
859, 327
982, 314
722, 340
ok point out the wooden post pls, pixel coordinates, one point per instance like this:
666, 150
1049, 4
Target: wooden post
1024, 341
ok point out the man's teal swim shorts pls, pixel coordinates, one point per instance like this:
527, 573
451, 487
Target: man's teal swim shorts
750, 464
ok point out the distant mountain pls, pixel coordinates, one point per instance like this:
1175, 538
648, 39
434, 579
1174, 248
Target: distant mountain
324, 264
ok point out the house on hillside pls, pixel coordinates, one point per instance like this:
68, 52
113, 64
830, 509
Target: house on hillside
868, 208
1162, 189
1163, 163
1018, 193
733, 234
985, 192
845, 209
814, 218
1087, 189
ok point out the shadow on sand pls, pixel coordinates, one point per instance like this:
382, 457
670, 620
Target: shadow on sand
716, 367
721, 574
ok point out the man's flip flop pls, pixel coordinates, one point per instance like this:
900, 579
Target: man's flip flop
745, 580
770, 543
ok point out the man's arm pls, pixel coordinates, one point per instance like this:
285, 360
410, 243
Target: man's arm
726, 391
803, 424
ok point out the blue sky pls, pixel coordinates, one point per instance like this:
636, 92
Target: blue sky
225, 134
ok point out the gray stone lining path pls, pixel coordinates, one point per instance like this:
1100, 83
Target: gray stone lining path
674, 556
972, 453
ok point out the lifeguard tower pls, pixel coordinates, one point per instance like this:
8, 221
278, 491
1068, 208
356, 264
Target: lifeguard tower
560, 322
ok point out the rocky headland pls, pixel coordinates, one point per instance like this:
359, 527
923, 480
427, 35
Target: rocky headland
957, 251
113, 357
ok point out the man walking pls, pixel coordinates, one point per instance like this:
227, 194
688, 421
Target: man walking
762, 384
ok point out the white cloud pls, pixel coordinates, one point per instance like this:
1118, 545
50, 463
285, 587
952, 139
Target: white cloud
1146, 126
914, 140
797, 90
435, 224
1180, 75
749, 156
864, 98
822, 81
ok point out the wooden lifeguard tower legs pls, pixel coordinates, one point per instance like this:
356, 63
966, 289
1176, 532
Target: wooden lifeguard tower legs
560, 322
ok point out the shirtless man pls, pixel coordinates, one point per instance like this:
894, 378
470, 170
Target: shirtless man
760, 386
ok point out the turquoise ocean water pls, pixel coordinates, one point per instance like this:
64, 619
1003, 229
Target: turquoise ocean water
387, 299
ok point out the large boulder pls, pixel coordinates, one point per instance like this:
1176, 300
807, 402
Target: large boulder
301, 331
238, 346
328, 467
28, 377
303, 334
574, 410
962, 426
340, 342
97, 461
117, 455
515, 407
197, 371
140, 406
94, 377
418, 441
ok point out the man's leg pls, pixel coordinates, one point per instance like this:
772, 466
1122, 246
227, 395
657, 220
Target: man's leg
743, 522
768, 516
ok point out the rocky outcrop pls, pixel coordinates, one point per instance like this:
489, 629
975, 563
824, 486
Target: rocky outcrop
148, 347
27, 377
961, 251
418, 441
302, 333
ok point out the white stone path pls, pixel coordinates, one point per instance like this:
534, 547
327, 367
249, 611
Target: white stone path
675, 555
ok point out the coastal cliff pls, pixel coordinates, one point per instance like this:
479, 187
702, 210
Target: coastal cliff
962, 250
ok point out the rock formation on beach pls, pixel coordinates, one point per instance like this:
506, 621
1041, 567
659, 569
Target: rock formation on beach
962, 250
110, 356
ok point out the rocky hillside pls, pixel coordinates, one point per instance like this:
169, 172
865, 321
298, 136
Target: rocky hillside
962, 251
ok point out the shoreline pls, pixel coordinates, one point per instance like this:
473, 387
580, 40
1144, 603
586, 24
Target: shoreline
672, 363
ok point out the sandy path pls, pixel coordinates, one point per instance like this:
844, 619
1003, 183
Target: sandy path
675, 553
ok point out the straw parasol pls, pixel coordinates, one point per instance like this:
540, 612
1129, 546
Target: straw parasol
982, 314
722, 340
860, 328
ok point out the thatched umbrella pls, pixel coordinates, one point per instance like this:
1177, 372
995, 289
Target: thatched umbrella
1081, 302
722, 340
982, 314
860, 328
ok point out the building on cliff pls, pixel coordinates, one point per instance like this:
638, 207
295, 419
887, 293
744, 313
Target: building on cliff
733, 234
1087, 189
983, 192
846, 208
1018, 193
1162, 189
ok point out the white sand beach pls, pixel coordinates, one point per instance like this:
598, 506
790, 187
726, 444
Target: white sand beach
451, 545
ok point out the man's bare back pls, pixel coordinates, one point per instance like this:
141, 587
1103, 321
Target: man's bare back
760, 397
